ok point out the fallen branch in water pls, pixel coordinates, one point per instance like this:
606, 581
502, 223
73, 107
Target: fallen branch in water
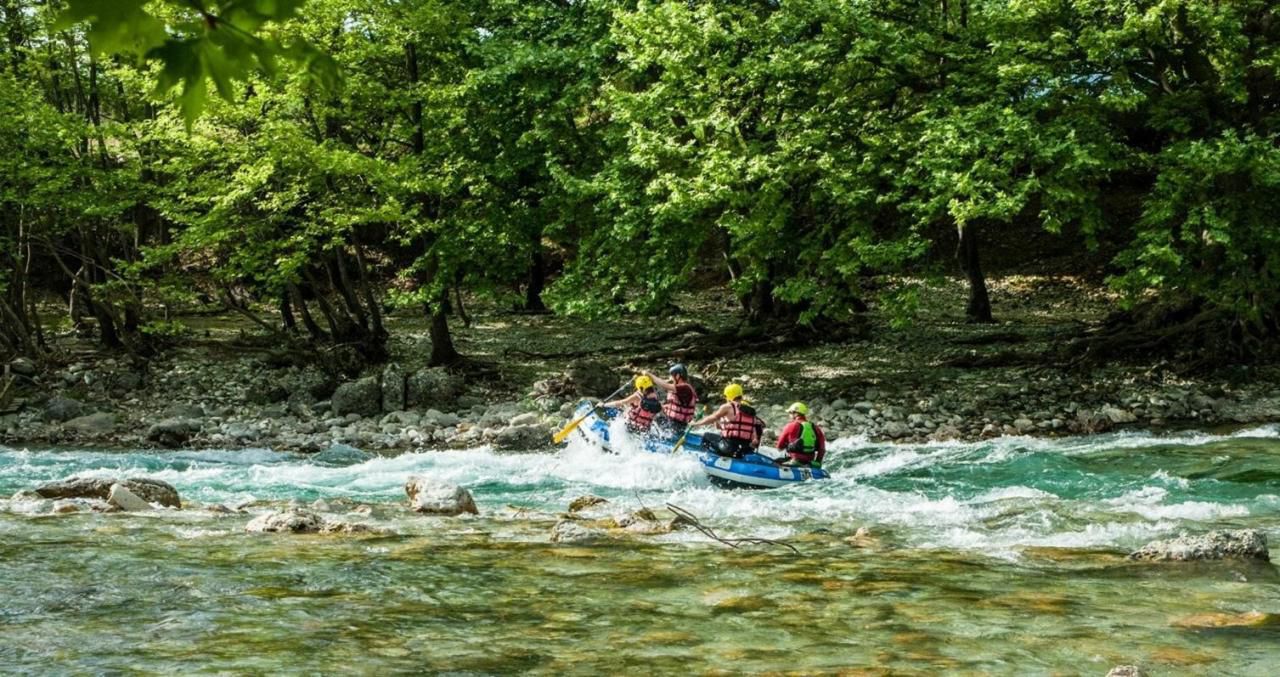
731, 542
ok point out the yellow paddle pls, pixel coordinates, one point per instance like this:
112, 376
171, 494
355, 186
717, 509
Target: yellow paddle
680, 442
573, 425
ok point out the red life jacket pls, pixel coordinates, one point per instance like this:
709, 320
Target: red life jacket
742, 425
677, 411
641, 415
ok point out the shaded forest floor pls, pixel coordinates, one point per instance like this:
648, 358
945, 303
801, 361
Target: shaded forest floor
936, 377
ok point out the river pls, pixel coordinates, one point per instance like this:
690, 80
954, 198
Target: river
1000, 557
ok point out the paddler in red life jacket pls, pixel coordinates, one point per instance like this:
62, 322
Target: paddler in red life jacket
642, 405
801, 439
740, 428
678, 410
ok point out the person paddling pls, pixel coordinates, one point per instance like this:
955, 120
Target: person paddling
801, 439
740, 427
642, 405
681, 402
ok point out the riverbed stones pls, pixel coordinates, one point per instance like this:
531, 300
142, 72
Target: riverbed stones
430, 497
1204, 621
1215, 545
22, 366
126, 500
1126, 671
148, 489
362, 397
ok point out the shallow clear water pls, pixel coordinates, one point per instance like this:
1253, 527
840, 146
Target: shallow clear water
999, 557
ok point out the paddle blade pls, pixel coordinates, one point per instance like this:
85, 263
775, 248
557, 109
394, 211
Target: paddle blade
564, 432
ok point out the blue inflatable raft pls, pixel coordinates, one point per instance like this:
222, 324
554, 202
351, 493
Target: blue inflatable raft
754, 471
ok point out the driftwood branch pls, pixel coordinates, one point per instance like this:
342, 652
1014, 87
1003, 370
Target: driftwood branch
731, 542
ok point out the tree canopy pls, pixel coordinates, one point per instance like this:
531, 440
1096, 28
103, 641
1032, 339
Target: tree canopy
602, 156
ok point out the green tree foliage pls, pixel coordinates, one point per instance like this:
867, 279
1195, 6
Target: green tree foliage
793, 151
198, 42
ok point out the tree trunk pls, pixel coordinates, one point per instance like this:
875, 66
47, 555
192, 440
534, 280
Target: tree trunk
442, 350
286, 314
979, 308
537, 276
307, 321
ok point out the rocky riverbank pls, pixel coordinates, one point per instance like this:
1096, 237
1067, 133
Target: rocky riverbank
191, 398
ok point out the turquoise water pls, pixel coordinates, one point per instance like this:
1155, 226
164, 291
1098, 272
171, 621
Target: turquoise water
1001, 557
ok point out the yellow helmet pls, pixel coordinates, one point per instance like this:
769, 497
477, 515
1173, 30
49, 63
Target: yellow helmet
643, 382
732, 392
798, 408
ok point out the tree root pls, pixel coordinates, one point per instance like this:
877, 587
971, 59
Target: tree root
1202, 337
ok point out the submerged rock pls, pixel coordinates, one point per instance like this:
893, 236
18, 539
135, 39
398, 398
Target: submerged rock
438, 498
1126, 671
1248, 619
1239, 544
295, 521
149, 490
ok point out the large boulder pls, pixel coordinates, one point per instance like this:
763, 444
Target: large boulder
173, 432
100, 423
22, 366
1239, 544
432, 387
582, 378
393, 388
60, 408
293, 521
438, 498
149, 490
362, 397
522, 437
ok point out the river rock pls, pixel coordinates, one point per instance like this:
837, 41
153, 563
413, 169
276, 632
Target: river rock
1118, 415
22, 366
438, 498
1217, 619
1023, 425
362, 397
126, 500
1126, 671
60, 408
100, 423
432, 387
149, 490
1239, 544
393, 388
525, 419
896, 429
568, 531
584, 502
294, 520
173, 432
522, 437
